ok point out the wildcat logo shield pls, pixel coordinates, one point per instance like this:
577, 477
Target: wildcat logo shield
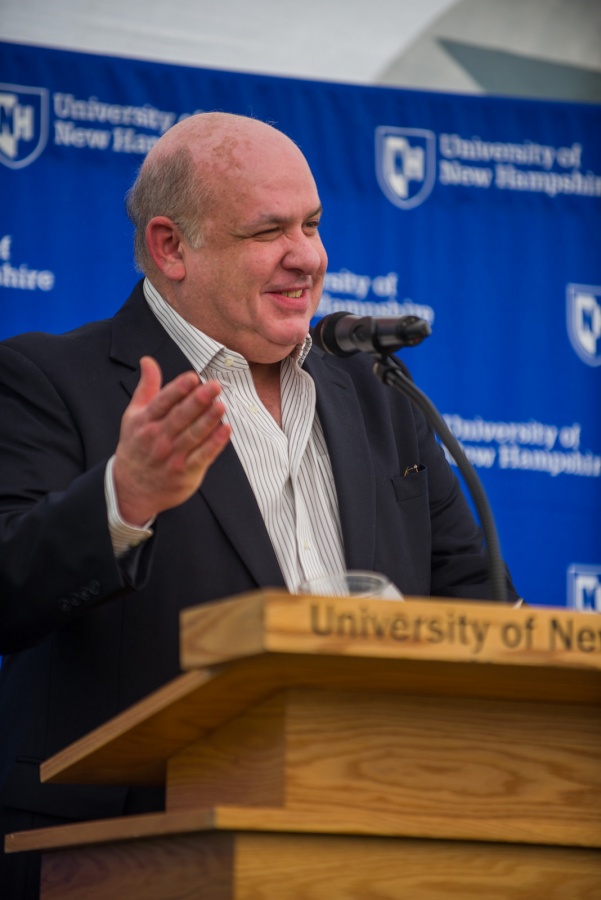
583, 306
23, 124
405, 164
584, 588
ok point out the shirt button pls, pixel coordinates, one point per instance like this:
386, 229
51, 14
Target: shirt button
229, 361
253, 409
307, 545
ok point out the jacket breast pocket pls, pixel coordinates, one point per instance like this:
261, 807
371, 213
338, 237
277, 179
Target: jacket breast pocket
413, 484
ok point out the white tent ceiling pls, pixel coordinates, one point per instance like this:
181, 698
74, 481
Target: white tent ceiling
540, 48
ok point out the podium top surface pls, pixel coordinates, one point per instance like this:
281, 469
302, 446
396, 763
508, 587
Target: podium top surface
415, 629
238, 652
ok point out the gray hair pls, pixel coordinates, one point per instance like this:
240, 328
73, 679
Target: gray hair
168, 185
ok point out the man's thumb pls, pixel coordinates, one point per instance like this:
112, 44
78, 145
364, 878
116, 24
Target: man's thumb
150, 382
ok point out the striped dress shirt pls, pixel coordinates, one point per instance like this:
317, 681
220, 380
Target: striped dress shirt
288, 468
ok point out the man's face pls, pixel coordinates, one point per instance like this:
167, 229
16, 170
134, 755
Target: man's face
256, 282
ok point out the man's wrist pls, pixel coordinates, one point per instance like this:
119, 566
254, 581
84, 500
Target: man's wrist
124, 536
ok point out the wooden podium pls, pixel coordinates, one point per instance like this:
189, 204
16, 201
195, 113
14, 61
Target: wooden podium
343, 748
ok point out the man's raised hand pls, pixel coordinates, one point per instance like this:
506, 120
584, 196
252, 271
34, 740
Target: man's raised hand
169, 437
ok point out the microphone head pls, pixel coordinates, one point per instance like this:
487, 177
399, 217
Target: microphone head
343, 334
324, 335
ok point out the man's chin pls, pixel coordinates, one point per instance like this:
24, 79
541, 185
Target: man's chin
290, 333
275, 349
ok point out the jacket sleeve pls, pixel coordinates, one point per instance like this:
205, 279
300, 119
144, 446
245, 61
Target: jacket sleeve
56, 557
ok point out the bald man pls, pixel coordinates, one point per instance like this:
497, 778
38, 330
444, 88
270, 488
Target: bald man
193, 447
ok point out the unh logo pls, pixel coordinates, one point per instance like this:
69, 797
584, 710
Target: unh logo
23, 124
584, 322
584, 588
405, 164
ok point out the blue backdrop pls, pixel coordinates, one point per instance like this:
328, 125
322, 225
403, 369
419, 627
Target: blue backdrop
480, 214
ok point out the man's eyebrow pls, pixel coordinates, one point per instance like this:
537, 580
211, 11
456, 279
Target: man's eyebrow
274, 219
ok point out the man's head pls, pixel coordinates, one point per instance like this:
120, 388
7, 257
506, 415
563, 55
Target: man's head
229, 214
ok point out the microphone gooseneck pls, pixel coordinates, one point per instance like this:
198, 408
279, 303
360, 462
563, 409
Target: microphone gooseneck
342, 334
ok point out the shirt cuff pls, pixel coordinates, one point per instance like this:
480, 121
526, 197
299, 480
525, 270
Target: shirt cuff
124, 537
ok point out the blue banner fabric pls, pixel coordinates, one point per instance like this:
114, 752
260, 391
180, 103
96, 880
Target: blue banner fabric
480, 214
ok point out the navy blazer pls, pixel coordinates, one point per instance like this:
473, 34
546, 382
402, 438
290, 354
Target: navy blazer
85, 636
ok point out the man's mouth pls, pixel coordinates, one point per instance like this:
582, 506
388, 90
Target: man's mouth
294, 294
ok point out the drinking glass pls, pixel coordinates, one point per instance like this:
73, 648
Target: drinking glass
352, 584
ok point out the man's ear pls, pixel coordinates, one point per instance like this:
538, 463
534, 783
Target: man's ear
164, 241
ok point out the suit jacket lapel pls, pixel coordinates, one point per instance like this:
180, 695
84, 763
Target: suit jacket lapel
343, 423
227, 491
136, 332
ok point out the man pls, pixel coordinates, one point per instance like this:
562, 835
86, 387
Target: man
192, 448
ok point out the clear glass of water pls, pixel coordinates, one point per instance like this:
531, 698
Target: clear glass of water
352, 584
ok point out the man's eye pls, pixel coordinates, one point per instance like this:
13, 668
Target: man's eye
313, 223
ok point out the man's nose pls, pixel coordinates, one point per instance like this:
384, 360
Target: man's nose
305, 253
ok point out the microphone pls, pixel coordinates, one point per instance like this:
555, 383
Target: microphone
342, 334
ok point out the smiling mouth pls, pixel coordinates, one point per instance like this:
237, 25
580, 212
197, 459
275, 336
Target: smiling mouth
294, 294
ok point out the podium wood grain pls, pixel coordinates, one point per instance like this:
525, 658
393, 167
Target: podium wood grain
321, 747
260, 866
451, 768
239, 649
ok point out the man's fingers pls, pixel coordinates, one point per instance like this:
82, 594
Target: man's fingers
156, 402
189, 421
161, 421
177, 405
206, 452
202, 425
169, 437
177, 391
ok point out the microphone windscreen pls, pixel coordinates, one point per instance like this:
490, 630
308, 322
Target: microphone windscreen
324, 335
